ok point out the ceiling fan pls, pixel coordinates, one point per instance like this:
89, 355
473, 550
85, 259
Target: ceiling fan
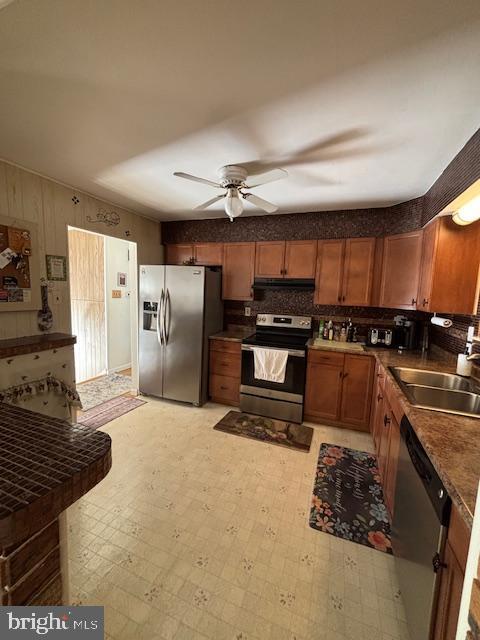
232, 178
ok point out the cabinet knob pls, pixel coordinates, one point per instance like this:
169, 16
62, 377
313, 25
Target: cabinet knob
414, 301
339, 298
224, 388
343, 298
386, 420
379, 397
425, 302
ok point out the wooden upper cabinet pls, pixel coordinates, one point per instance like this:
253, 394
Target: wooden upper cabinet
401, 270
358, 271
270, 259
450, 268
178, 253
238, 270
208, 253
290, 259
329, 272
300, 258
429, 245
357, 390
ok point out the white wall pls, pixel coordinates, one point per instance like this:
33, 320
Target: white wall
118, 309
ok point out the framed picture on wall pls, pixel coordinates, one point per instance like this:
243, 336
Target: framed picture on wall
56, 268
121, 279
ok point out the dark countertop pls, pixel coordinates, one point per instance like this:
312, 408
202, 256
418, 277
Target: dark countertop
32, 344
46, 465
452, 442
234, 334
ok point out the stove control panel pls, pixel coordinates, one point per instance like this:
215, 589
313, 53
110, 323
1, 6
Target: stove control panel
290, 322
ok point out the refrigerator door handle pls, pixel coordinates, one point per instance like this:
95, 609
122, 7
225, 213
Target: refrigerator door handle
165, 325
161, 304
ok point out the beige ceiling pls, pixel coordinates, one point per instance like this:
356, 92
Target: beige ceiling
112, 96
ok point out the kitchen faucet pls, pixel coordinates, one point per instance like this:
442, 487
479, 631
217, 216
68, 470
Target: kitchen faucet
474, 356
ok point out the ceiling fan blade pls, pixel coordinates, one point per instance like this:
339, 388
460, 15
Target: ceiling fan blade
188, 176
209, 203
270, 176
260, 202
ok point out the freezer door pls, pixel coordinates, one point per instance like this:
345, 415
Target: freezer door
184, 317
150, 339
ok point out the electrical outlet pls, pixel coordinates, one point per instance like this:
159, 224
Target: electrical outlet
248, 311
116, 293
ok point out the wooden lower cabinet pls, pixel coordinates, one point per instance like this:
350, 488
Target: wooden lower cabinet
357, 391
452, 577
323, 391
225, 366
339, 388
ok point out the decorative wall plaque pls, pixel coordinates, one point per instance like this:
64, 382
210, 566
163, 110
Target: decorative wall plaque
56, 268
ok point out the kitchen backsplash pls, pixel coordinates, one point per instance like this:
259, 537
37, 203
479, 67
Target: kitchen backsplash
407, 216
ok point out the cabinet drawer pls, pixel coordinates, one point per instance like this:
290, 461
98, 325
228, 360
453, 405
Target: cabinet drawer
225, 363
225, 346
224, 388
323, 357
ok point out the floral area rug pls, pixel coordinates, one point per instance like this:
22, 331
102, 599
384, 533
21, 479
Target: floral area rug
286, 434
347, 499
101, 389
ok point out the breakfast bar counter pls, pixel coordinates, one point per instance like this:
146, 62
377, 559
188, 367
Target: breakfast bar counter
46, 465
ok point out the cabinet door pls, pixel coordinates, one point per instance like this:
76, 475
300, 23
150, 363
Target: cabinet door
426, 273
449, 597
392, 464
178, 253
385, 421
238, 270
377, 408
400, 271
357, 390
358, 271
329, 272
300, 258
269, 259
323, 391
208, 253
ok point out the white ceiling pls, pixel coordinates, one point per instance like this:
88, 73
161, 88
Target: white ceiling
113, 96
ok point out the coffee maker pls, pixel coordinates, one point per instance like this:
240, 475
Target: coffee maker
405, 334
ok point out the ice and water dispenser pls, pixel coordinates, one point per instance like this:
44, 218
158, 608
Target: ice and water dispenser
150, 316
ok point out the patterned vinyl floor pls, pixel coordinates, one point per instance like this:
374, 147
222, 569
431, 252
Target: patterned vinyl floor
198, 534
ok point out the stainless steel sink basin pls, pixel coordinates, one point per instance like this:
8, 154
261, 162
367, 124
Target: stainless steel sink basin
431, 379
460, 402
439, 391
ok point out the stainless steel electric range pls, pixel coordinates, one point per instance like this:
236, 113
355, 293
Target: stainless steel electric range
272, 399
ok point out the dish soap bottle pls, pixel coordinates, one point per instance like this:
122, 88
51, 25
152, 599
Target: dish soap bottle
330, 330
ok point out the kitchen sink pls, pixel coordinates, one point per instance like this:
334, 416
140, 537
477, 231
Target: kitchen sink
439, 391
431, 379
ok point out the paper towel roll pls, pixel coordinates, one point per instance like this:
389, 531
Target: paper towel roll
441, 322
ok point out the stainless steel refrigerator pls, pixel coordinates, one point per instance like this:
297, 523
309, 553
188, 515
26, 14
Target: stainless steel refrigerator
180, 307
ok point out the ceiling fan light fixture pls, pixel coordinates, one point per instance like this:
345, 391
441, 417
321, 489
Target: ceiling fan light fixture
233, 204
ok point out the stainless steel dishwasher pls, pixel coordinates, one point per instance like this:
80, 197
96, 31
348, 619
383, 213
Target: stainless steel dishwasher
420, 521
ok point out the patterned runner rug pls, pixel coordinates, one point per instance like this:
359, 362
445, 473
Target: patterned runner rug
108, 411
286, 434
347, 499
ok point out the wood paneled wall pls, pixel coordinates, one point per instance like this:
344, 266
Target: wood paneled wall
87, 291
54, 207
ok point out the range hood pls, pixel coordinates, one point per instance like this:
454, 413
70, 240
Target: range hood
299, 284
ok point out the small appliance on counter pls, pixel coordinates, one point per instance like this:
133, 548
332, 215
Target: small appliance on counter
378, 337
405, 333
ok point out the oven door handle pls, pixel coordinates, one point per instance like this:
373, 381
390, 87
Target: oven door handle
291, 352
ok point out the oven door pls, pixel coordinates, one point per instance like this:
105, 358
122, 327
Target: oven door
292, 389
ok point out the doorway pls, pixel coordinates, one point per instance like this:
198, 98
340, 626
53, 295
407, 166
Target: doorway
103, 294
